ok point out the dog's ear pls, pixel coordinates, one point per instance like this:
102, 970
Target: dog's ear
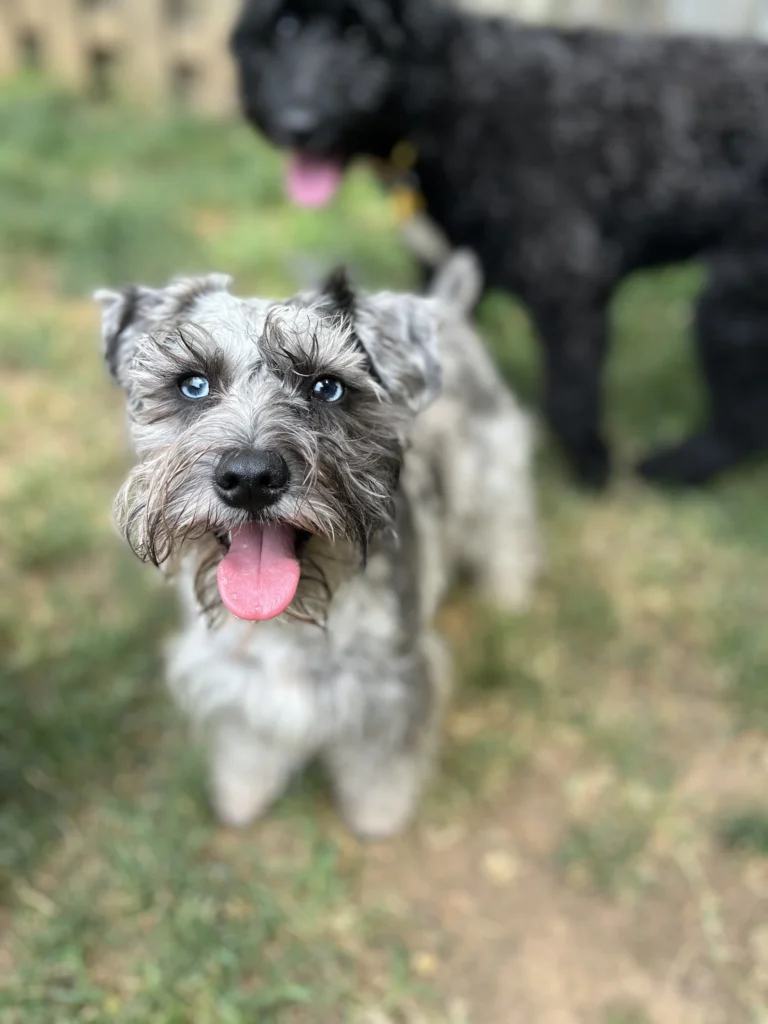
126, 314
459, 281
340, 294
399, 334
129, 313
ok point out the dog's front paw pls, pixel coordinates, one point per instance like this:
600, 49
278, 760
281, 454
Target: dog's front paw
379, 817
380, 801
239, 802
239, 797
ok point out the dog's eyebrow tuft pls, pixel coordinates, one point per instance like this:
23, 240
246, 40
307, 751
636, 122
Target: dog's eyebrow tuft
193, 344
187, 348
343, 304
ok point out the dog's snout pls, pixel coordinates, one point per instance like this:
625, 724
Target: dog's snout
251, 480
298, 124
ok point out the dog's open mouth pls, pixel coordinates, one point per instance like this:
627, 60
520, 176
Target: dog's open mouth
313, 180
259, 575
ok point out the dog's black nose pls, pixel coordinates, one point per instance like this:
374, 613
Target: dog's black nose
251, 480
299, 125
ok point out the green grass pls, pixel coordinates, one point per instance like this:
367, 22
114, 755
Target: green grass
604, 851
644, 650
746, 831
626, 1015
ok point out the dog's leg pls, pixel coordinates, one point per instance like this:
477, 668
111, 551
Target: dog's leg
380, 775
732, 338
575, 337
247, 773
503, 544
494, 536
378, 788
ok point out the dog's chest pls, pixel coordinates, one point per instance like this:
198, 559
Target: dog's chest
293, 681
256, 672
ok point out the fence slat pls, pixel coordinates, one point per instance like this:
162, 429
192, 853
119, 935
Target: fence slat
62, 43
9, 60
143, 70
217, 94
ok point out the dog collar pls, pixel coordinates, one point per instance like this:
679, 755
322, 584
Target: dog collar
401, 181
406, 202
399, 177
404, 156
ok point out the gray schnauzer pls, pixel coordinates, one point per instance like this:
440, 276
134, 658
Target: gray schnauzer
294, 472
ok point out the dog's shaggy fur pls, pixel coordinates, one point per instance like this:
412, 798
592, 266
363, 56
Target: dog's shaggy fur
383, 500
566, 159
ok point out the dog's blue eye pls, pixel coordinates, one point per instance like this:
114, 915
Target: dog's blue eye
328, 389
194, 387
287, 26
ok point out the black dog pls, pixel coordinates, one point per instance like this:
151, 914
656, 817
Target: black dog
566, 160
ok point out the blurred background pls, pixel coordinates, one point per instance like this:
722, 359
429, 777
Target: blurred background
595, 846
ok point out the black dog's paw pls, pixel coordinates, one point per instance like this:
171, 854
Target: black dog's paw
666, 468
591, 466
690, 464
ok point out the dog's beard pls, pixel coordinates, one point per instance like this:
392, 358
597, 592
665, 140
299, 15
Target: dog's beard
171, 517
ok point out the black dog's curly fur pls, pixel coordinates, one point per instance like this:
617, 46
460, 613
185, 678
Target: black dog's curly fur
566, 159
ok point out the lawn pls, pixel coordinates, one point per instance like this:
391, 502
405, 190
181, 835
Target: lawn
595, 845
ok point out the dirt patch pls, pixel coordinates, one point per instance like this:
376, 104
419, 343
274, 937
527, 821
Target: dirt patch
501, 931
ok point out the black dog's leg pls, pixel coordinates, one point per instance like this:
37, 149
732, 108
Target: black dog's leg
575, 341
732, 340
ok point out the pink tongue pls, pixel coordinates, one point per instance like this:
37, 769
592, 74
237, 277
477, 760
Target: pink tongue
311, 181
259, 576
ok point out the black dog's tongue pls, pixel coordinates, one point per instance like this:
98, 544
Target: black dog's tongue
312, 181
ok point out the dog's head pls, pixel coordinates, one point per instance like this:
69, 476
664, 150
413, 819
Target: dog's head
324, 79
269, 435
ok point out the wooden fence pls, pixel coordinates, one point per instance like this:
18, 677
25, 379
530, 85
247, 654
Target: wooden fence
164, 51
151, 51
726, 17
